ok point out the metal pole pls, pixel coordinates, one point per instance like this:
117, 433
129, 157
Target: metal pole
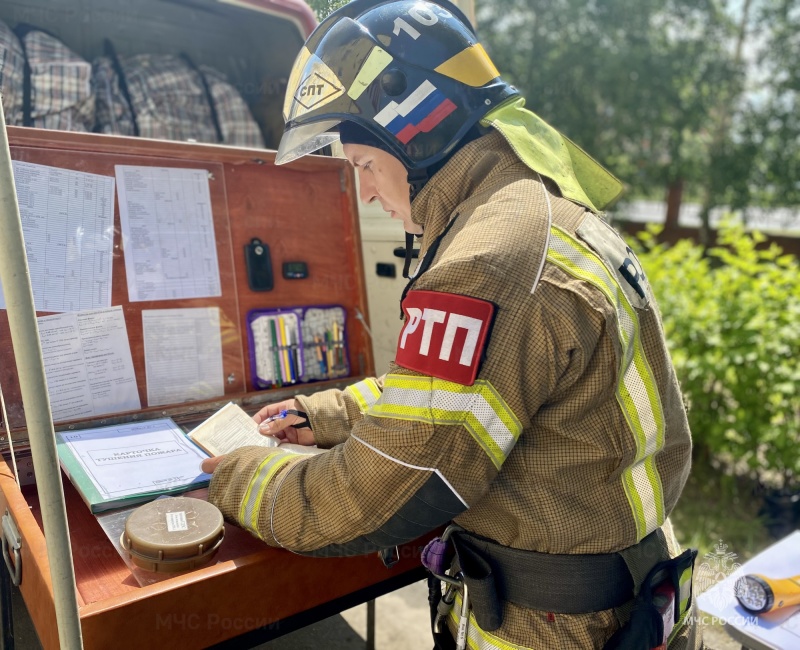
371, 625
15, 277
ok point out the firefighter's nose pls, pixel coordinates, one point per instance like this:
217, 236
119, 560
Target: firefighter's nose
367, 191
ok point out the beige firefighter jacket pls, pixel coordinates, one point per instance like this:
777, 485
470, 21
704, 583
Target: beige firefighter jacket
572, 439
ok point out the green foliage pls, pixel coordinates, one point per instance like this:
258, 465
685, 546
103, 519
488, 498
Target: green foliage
706, 92
635, 82
715, 506
323, 8
732, 319
775, 120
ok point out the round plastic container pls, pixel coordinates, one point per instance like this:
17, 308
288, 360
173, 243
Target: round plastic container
173, 534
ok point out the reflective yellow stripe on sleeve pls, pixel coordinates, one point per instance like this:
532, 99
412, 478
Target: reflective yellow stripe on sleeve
250, 506
479, 408
636, 391
366, 393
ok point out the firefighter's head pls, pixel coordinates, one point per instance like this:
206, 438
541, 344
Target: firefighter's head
409, 73
382, 177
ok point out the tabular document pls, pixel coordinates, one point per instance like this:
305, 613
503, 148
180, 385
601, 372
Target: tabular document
68, 226
87, 360
168, 233
182, 354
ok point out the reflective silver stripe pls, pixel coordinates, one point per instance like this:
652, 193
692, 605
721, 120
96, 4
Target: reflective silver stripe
365, 392
685, 587
248, 512
636, 391
479, 408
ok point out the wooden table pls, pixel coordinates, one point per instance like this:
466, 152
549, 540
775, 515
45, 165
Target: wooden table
252, 592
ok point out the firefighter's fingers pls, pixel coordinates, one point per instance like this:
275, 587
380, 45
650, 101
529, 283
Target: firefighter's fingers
210, 464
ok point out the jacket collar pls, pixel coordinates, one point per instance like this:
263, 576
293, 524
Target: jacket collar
471, 168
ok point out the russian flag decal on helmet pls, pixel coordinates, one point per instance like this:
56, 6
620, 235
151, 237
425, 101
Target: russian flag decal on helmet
420, 112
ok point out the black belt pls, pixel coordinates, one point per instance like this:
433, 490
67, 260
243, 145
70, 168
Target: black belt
563, 584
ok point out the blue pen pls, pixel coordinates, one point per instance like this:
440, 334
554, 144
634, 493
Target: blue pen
280, 415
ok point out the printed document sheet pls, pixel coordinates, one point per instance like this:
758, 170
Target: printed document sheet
130, 459
182, 355
168, 233
68, 225
87, 360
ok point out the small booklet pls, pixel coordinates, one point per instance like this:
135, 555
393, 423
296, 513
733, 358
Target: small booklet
125, 464
228, 429
231, 428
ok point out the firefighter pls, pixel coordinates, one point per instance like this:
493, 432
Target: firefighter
532, 400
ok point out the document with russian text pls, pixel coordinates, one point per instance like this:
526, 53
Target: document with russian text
87, 358
124, 464
231, 428
68, 223
228, 429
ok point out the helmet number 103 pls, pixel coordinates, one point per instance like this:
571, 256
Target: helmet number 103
419, 14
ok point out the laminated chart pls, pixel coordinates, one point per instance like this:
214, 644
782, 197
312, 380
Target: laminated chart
168, 233
68, 225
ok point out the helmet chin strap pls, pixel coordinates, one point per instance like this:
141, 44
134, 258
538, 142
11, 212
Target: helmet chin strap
416, 181
409, 253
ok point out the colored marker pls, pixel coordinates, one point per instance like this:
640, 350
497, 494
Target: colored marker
329, 352
320, 358
340, 346
276, 353
336, 343
287, 359
294, 351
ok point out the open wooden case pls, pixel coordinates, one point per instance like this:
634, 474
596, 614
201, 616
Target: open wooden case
304, 212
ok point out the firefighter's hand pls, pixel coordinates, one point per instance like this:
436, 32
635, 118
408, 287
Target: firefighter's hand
283, 429
210, 464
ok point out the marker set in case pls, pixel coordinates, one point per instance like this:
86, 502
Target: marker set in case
297, 344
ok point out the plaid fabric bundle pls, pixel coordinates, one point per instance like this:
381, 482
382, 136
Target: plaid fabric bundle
61, 93
111, 108
239, 129
12, 71
167, 100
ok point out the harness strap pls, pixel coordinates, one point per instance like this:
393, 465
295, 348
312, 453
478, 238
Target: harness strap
640, 560
427, 260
